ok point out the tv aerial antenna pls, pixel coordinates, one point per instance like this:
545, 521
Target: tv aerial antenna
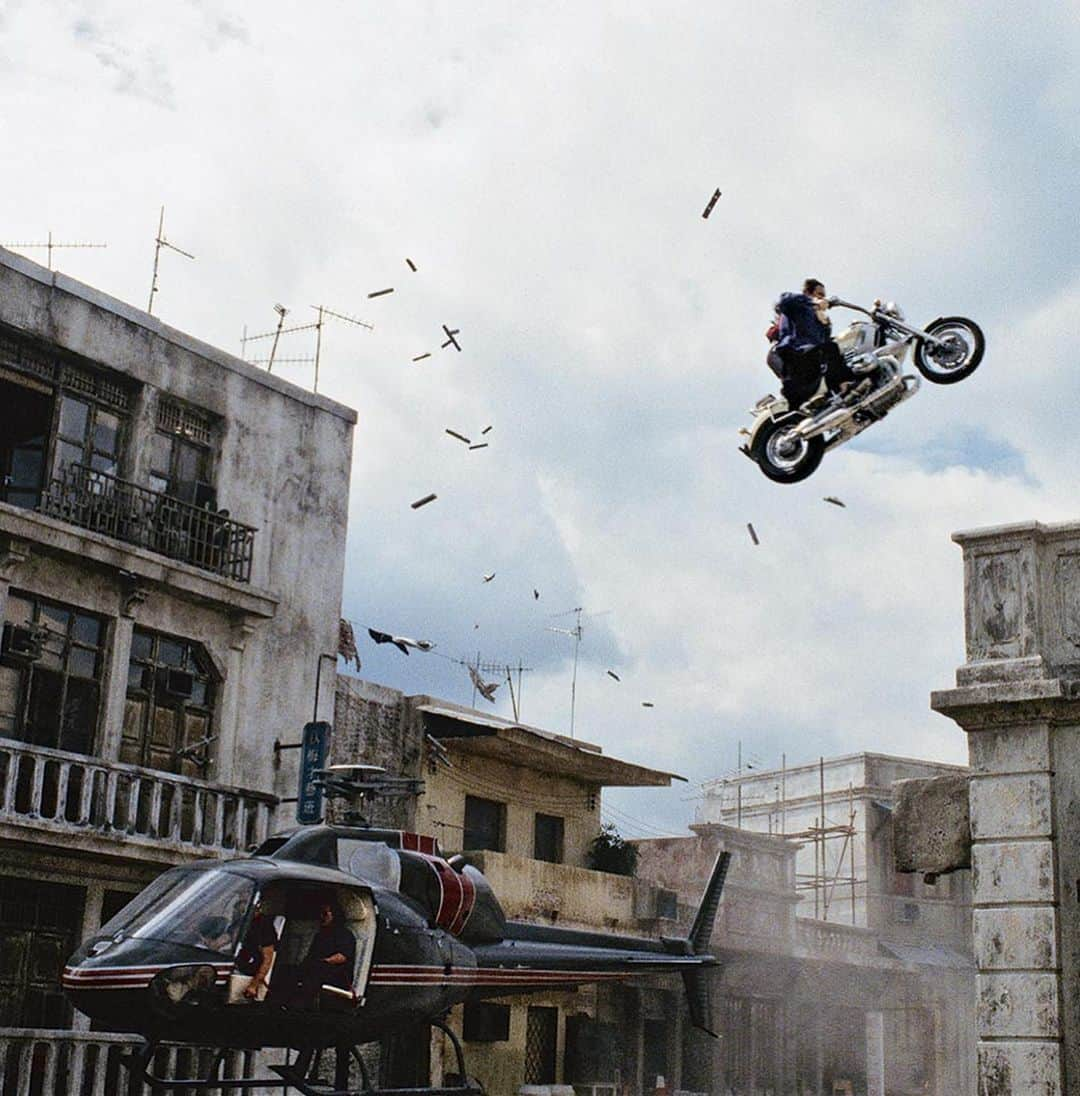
576, 634
50, 245
159, 243
323, 314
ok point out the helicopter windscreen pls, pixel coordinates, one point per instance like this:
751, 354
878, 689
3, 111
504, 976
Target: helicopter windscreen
201, 908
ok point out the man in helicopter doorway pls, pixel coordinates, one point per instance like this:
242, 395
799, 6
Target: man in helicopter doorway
804, 346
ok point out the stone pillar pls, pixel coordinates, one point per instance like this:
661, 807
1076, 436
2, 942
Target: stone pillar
875, 1054
1018, 699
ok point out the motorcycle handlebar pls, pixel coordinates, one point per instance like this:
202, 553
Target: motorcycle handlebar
835, 302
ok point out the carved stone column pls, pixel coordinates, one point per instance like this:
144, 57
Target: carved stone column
1018, 699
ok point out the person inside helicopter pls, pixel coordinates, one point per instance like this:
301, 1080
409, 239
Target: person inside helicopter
804, 350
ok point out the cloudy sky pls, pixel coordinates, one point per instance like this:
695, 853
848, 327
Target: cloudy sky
545, 167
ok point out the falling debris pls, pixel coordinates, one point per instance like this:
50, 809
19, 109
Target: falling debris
484, 688
421, 357
412, 265
712, 201
423, 502
753, 535
536, 595
450, 340
402, 643
612, 673
485, 430
479, 445
835, 501
460, 437
647, 704
380, 292
346, 643
488, 578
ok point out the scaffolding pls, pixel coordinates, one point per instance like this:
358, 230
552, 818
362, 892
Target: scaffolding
824, 879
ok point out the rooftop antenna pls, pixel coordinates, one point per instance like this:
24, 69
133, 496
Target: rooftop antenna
575, 633
49, 245
159, 243
322, 311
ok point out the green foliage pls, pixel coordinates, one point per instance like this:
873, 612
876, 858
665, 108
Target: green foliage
609, 852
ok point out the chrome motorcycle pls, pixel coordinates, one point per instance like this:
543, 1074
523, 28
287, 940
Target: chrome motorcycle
788, 443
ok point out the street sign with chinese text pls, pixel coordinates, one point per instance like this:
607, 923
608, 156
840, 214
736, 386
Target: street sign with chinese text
309, 801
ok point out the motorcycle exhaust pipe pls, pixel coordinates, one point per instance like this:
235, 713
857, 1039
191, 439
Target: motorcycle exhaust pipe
833, 420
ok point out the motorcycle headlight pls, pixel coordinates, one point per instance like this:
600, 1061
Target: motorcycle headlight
176, 983
894, 310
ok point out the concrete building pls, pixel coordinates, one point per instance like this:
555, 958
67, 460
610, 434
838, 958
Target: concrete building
878, 979
839, 810
172, 538
524, 805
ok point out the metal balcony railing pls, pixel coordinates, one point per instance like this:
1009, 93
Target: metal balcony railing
56, 794
124, 510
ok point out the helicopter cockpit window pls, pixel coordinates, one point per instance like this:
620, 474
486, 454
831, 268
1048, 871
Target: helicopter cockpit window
371, 861
144, 904
207, 912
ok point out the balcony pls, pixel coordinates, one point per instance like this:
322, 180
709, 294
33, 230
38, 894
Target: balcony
837, 942
136, 515
43, 1062
91, 805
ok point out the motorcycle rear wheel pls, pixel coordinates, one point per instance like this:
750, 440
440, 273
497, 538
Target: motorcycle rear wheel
784, 458
959, 358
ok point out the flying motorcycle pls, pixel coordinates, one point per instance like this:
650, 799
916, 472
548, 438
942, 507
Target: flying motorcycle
429, 933
788, 443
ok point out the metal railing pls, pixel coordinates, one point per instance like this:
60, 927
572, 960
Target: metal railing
118, 508
58, 793
43, 1062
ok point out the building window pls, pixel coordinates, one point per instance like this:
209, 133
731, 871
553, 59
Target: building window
548, 838
181, 455
541, 1044
39, 927
86, 435
170, 703
485, 1022
50, 673
485, 824
26, 412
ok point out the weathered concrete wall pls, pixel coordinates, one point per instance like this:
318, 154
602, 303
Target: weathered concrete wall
374, 726
283, 465
1016, 697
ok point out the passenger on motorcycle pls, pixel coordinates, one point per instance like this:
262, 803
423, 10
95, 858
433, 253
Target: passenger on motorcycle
805, 347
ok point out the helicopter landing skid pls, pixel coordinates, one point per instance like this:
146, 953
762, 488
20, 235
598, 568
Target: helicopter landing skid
297, 1075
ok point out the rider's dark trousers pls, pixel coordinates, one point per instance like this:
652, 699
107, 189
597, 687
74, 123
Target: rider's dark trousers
803, 370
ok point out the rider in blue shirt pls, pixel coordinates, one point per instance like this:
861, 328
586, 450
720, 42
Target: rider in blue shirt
805, 345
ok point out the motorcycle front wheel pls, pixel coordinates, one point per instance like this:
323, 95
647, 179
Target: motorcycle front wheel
957, 358
782, 455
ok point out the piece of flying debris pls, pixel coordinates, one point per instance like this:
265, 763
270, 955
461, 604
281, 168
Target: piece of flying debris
402, 643
450, 339
380, 293
460, 437
536, 594
647, 704
834, 500
485, 430
423, 502
479, 445
421, 357
753, 535
420, 934
712, 201
489, 577
612, 673
412, 265
484, 688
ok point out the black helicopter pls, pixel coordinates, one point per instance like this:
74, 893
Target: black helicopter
429, 933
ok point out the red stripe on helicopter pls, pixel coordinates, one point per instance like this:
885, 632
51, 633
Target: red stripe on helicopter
457, 895
418, 842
